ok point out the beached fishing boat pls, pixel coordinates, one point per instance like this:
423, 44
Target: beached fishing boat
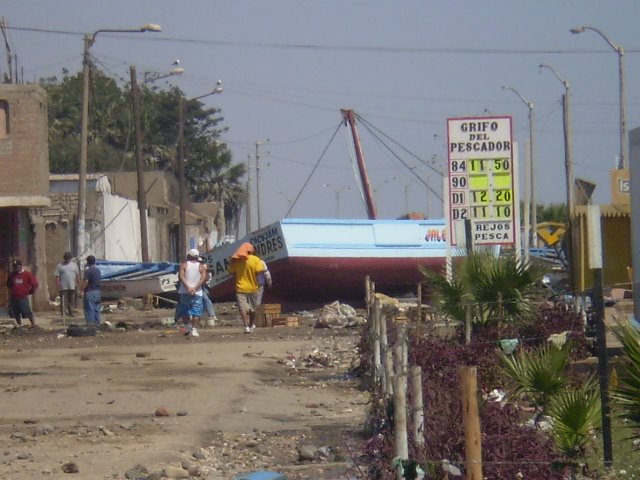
319, 260
131, 279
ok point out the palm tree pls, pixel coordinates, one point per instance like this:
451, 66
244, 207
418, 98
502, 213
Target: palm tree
537, 374
574, 414
499, 289
627, 393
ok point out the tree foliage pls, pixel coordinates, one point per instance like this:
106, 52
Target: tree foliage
210, 172
627, 394
498, 289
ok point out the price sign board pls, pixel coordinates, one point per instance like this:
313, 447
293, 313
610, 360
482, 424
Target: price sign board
481, 181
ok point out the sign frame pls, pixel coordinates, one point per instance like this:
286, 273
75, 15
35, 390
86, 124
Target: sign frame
482, 179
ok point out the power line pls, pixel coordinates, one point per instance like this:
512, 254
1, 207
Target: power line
355, 48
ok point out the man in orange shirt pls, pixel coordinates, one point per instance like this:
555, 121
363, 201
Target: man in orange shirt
246, 267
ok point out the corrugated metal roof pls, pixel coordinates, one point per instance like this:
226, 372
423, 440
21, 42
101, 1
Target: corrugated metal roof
610, 211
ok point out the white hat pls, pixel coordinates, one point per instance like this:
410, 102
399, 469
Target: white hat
193, 253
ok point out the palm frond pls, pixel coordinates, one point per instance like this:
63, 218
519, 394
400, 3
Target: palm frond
627, 394
574, 414
537, 374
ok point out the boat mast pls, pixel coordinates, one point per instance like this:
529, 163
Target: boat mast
350, 118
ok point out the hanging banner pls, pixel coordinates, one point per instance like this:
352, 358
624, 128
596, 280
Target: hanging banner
481, 179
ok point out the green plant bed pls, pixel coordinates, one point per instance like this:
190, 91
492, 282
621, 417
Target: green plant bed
626, 457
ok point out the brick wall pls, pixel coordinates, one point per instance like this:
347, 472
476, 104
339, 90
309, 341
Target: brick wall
24, 155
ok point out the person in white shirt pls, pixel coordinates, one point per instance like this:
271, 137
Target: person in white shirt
67, 280
192, 276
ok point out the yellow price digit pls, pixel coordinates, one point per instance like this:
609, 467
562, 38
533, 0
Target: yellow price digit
477, 165
501, 165
504, 196
479, 196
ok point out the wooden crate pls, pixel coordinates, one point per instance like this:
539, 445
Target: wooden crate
288, 321
269, 308
263, 319
265, 313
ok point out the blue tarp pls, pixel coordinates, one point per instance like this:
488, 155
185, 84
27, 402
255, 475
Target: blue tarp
127, 270
261, 476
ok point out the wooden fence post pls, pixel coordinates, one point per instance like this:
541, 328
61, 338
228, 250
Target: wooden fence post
419, 306
387, 365
367, 294
400, 406
388, 369
377, 313
417, 407
471, 418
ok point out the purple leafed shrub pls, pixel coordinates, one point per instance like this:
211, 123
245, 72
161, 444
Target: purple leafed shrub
509, 450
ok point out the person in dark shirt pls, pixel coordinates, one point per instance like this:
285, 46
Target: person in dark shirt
21, 284
91, 291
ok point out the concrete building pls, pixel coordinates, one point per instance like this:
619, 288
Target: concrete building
112, 225
24, 184
615, 222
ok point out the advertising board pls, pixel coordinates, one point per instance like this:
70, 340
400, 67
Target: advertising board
481, 179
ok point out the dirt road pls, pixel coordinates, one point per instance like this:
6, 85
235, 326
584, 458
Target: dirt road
147, 401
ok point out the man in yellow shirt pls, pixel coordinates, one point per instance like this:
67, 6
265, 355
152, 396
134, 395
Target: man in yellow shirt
246, 266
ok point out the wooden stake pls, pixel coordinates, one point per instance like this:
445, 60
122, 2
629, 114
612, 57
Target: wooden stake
419, 295
417, 407
388, 371
471, 418
387, 360
400, 420
377, 313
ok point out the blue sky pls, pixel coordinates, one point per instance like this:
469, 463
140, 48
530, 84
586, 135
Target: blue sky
289, 66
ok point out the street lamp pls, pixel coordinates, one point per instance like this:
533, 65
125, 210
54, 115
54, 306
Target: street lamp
532, 192
406, 196
89, 40
568, 166
623, 122
377, 187
289, 201
142, 198
181, 175
338, 192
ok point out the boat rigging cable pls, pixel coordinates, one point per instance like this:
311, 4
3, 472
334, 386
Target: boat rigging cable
377, 133
370, 129
315, 167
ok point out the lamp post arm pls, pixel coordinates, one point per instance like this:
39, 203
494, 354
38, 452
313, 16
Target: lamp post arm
525, 101
615, 46
557, 75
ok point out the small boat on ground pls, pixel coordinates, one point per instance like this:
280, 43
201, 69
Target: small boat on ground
319, 260
134, 279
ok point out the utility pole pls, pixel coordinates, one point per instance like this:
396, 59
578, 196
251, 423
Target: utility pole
258, 143
142, 197
248, 197
182, 248
82, 171
568, 168
181, 160
89, 40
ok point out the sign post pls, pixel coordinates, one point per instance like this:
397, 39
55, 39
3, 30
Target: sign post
482, 186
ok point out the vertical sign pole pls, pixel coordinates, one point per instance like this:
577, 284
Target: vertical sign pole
634, 180
595, 262
516, 208
448, 229
527, 205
